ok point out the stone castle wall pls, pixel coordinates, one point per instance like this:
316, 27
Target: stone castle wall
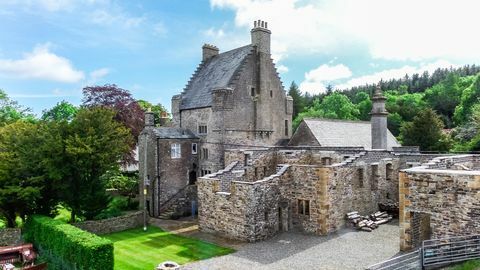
250, 201
439, 200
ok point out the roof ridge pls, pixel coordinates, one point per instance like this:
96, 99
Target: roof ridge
337, 120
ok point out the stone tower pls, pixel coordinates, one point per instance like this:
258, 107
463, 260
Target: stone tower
379, 120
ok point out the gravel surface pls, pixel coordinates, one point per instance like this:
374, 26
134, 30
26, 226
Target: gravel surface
347, 249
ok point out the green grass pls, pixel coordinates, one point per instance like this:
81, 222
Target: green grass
136, 249
469, 265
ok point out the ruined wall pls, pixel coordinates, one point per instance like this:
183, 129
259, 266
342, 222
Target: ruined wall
451, 199
240, 210
305, 183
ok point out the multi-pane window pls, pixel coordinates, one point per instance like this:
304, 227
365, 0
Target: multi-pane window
303, 207
202, 129
176, 150
194, 148
205, 153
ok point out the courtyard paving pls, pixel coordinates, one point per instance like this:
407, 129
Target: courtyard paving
347, 249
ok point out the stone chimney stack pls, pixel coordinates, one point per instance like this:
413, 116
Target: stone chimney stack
261, 36
379, 120
149, 118
164, 119
209, 51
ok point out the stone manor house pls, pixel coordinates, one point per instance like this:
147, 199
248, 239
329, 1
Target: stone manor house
231, 152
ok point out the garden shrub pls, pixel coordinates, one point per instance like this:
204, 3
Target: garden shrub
64, 246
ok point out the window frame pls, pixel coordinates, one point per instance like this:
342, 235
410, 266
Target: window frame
175, 151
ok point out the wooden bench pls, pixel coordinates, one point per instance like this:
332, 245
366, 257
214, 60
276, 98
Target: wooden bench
41, 266
12, 254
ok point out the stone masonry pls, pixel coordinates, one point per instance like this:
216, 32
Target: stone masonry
439, 199
264, 191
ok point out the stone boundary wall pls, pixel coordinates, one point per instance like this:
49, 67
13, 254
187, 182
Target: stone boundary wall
111, 225
10, 236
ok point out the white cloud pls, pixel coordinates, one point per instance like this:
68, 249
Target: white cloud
98, 74
41, 64
394, 74
408, 29
316, 79
282, 69
214, 33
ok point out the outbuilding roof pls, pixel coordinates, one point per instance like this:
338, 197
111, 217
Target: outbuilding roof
216, 72
337, 133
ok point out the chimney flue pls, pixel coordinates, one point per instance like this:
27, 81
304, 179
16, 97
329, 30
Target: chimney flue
261, 36
379, 120
149, 118
209, 51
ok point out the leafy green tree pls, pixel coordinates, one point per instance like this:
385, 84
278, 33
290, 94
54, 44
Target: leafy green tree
394, 122
467, 136
364, 105
62, 111
406, 105
20, 187
94, 145
425, 131
470, 96
445, 96
11, 111
126, 108
298, 99
334, 106
157, 109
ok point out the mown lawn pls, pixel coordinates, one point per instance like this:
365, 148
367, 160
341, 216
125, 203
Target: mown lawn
136, 249
470, 265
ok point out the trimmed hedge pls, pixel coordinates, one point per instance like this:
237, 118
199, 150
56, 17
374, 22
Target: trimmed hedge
64, 246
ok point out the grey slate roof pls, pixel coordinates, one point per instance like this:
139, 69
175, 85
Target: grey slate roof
173, 133
333, 132
216, 72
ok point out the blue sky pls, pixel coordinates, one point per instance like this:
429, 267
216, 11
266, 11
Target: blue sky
51, 49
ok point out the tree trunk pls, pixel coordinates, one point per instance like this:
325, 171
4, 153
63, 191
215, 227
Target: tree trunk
11, 223
72, 216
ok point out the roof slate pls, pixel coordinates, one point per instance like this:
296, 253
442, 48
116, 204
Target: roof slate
216, 72
335, 133
173, 133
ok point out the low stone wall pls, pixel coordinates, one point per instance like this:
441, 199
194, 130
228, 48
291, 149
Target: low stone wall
10, 236
111, 225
